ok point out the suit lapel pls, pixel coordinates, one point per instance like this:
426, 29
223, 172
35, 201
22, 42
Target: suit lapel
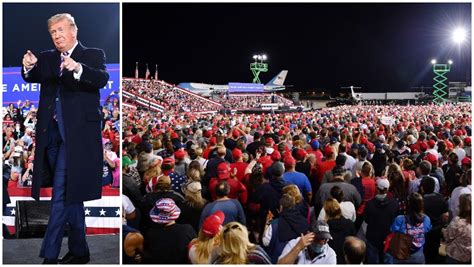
78, 52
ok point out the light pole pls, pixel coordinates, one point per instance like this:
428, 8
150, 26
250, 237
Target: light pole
258, 67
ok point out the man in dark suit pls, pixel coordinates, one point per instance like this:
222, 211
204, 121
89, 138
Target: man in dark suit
68, 134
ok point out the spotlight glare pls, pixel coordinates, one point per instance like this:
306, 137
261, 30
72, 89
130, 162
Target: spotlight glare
433, 61
459, 35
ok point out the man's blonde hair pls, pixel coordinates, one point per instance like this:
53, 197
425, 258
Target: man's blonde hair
62, 16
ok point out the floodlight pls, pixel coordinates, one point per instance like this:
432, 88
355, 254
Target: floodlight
450, 62
459, 35
433, 61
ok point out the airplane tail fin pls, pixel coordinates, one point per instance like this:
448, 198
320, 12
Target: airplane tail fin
278, 80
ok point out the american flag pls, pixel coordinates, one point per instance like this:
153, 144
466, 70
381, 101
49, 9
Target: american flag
156, 72
136, 71
147, 74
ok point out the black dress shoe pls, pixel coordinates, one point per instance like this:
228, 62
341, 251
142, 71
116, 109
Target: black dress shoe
71, 259
50, 261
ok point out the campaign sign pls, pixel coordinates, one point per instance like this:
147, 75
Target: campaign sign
14, 88
245, 88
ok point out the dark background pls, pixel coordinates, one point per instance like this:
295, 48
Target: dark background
380, 47
25, 27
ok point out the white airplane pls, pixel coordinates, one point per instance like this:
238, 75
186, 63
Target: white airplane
204, 89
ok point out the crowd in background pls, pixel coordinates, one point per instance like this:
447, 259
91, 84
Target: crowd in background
173, 99
352, 184
19, 136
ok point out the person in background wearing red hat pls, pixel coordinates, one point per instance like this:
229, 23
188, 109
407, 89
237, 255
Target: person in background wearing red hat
297, 178
176, 179
237, 189
210, 147
211, 168
205, 248
231, 141
327, 164
181, 162
265, 155
436, 171
238, 164
432, 148
302, 164
467, 146
458, 148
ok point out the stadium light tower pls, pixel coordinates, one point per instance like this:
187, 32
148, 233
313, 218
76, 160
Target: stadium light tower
440, 80
258, 66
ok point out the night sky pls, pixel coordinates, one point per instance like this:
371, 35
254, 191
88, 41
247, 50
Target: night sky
380, 47
25, 27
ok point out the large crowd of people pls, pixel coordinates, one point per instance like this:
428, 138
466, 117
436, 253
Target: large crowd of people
351, 184
251, 101
172, 98
177, 100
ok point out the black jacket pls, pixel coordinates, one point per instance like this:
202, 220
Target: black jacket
379, 216
340, 228
82, 121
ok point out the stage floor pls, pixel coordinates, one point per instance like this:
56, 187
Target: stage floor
104, 249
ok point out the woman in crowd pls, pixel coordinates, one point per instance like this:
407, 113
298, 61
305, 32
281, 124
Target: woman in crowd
416, 224
458, 234
193, 204
398, 187
339, 227
205, 248
237, 249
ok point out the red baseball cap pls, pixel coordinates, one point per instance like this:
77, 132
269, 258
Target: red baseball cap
328, 150
431, 158
466, 161
269, 141
213, 141
275, 156
179, 154
431, 143
223, 170
301, 154
423, 146
235, 133
290, 161
174, 135
168, 162
467, 141
236, 153
212, 225
267, 128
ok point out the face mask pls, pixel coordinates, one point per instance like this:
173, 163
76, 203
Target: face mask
380, 197
317, 248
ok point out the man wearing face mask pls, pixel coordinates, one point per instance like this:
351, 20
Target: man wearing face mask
69, 131
379, 215
311, 248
